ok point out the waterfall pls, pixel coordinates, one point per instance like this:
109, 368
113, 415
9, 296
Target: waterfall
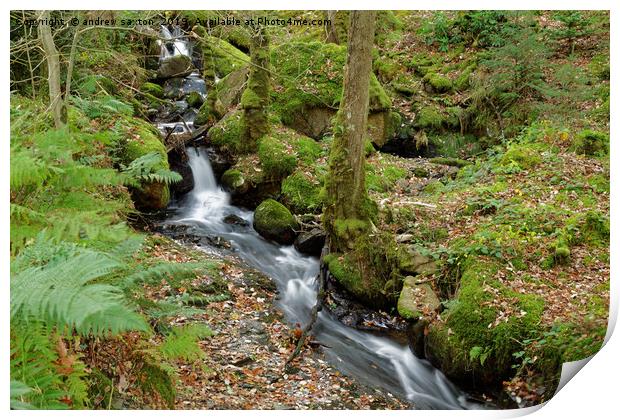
178, 46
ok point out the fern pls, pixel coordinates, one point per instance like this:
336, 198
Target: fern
182, 343
154, 274
27, 169
19, 391
58, 294
147, 168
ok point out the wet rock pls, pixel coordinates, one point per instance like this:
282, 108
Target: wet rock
416, 336
178, 163
231, 87
175, 66
233, 219
275, 222
310, 242
416, 299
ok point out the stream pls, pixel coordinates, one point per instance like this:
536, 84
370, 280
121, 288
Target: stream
374, 360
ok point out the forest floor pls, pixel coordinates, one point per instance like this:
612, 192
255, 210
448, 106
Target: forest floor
243, 363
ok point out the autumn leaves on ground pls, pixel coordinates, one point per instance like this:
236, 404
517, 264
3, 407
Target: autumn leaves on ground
474, 208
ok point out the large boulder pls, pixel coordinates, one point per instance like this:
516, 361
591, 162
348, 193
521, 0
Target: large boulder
417, 299
275, 222
175, 66
308, 82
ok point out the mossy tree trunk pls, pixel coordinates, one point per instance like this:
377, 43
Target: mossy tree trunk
57, 104
255, 98
347, 211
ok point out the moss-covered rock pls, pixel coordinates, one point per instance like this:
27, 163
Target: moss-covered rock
234, 181
522, 155
459, 163
175, 66
152, 89
301, 193
220, 57
472, 344
591, 143
226, 134
437, 83
276, 161
275, 222
308, 86
195, 99
428, 117
142, 138
417, 299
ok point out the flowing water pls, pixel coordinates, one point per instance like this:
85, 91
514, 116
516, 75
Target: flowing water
376, 361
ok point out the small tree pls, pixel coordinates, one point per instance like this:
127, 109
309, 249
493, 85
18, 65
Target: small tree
574, 26
255, 98
347, 203
57, 104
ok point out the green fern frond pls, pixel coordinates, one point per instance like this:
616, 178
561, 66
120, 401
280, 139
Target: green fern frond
58, 294
182, 343
168, 271
19, 391
27, 169
147, 168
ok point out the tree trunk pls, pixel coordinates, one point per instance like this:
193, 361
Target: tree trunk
332, 32
255, 97
347, 208
57, 104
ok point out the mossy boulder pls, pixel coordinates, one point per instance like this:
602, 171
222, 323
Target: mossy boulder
276, 160
220, 58
475, 340
195, 100
524, 156
417, 299
591, 143
429, 117
308, 86
301, 192
234, 181
226, 134
275, 222
230, 88
436, 83
175, 66
142, 138
152, 89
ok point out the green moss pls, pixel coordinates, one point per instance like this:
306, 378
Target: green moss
439, 83
220, 56
369, 149
274, 221
383, 179
470, 324
309, 75
429, 118
307, 149
591, 143
522, 155
461, 83
195, 99
232, 179
226, 134
301, 193
387, 68
348, 277
276, 161
152, 89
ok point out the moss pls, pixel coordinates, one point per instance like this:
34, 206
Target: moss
439, 83
309, 75
591, 143
387, 68
226, 134
470, 326
369, 149
195, 99
301, 193
274, 221
232, 179
429, 117
221, 56
522, 155
152, 89
307, 149
461, 83
340, 267
275, 160
350, 228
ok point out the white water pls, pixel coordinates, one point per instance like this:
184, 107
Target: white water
376, 361
179, 45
